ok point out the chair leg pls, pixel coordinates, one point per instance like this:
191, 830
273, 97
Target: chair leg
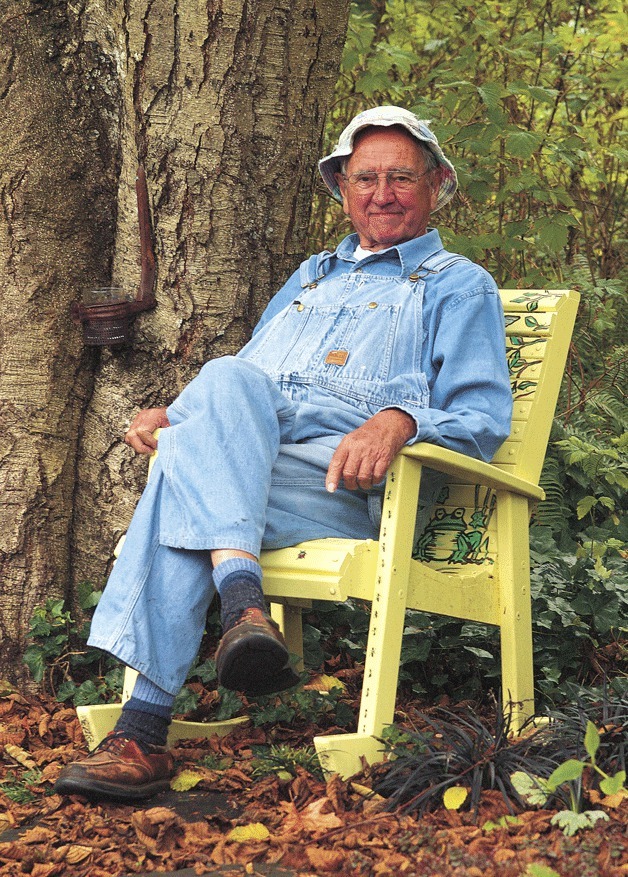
288, 617
381, 669
516, 608
128, 683
343, 754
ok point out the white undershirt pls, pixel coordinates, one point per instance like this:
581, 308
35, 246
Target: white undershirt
361, 253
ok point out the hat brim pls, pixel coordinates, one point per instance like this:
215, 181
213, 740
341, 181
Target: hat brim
332, 164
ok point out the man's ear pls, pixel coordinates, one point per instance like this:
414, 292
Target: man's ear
342, 185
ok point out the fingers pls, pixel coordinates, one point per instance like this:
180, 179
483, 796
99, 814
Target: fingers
356, 466
140, 433
363, 456
141, 440
335, 470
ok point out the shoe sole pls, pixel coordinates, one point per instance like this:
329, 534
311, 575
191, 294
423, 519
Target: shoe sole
256, 664
97, 790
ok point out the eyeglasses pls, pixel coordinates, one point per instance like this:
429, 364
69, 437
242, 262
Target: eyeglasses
399, 181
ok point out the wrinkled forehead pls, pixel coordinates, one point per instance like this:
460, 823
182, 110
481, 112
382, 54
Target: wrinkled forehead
391, 143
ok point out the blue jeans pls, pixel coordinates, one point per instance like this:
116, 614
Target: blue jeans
242, 466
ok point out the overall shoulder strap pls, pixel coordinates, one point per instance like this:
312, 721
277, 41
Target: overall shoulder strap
314, 268
441, 260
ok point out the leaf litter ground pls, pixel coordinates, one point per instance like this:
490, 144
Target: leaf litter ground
232, 821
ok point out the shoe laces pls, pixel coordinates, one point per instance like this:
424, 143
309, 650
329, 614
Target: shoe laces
255, 615
115, 742
250, 614
238, 616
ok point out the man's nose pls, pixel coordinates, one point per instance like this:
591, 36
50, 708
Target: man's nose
383, 192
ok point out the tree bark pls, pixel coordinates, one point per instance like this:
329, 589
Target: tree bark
223, 104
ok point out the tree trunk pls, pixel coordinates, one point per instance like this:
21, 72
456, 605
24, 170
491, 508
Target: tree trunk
223, 104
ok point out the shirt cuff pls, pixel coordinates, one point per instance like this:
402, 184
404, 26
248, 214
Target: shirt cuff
411, 410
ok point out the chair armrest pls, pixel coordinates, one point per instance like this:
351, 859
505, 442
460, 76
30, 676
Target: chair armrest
466, 469
470, 471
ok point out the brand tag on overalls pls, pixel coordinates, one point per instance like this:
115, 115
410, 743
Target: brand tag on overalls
337, 357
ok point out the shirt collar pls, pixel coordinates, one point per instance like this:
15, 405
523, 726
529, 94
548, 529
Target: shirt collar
409, 255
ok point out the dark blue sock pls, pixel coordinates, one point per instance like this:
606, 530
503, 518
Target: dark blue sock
145, 722
239, 590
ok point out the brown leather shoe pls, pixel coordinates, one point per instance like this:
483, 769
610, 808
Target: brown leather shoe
119, 767
252, 656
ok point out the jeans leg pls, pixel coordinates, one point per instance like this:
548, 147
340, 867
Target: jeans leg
217, 457
152, 613
299, 506
209, 489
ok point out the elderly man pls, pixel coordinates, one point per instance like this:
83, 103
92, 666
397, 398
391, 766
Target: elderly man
386, 341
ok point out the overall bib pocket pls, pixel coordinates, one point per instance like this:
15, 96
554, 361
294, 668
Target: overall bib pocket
357, 337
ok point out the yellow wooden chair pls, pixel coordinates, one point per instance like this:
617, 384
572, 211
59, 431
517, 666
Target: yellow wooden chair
471, 562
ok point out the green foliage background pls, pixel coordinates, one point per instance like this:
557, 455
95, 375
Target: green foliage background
525, 97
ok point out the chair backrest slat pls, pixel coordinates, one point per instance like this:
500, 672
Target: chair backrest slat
539, 324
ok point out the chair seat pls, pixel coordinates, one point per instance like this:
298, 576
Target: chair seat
323, 569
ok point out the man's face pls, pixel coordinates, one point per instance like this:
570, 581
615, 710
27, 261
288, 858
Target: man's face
383, 217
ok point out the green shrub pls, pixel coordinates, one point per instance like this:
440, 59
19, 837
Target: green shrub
59, 658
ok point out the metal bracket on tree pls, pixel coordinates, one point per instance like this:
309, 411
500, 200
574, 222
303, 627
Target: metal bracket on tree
107, 320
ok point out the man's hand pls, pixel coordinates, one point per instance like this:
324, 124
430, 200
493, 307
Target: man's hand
363, 456
140, 434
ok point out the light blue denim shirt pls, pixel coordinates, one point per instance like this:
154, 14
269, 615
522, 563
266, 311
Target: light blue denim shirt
410, 327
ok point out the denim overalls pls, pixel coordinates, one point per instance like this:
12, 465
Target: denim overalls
243, 464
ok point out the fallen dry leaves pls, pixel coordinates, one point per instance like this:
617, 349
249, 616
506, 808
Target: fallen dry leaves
225, 817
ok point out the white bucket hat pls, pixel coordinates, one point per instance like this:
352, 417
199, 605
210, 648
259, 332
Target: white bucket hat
387, 116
